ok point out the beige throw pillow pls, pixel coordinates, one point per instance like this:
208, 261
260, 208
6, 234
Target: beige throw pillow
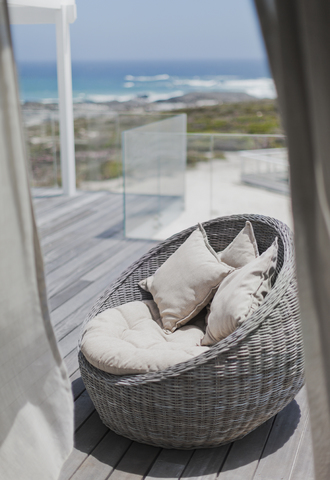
242, 249
239, 295
187, 281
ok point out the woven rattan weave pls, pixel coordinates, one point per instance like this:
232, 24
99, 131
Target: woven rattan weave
220, 395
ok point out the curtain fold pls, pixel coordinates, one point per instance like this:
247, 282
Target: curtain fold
297, 37
36, 406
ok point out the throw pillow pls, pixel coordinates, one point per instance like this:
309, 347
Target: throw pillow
239, 295
187, 281
242, 250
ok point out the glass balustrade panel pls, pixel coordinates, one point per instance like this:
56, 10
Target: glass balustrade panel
154, 163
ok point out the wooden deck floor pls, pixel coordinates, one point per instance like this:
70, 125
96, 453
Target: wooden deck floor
84, 251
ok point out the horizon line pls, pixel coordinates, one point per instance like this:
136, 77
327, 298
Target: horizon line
259, 59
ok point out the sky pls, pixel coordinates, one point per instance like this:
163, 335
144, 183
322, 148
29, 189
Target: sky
149, 30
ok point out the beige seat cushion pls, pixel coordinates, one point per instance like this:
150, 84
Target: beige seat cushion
187, 281
242, 250
127, 340
239, 295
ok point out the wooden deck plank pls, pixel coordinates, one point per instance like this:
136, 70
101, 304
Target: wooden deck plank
170, 464
77, 384
69, 342
67, 293
303, 467
98, 218
55, 216
67, 336
67, 252
42, 203
86, 296
53, 227
51, 204
78, 300
83, 408
71, 361
75, 320
81, 263
64, 248
104, 458
120, 258
58, 226
101, 206
103, 217
136, 463
279, 455
205, 464
39, 193
89, 435
46, 202
86, 228
74, 239
243, 458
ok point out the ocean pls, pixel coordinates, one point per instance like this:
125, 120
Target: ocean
154, 80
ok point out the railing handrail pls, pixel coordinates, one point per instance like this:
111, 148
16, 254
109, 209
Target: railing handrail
262, 135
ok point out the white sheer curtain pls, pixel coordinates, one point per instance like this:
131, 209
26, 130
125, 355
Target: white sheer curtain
297, 37
36, 407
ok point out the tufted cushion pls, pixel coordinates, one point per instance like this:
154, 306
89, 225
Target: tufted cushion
127, 340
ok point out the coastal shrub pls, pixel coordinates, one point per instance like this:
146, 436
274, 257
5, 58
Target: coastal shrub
259, 116
262, 128
111, 169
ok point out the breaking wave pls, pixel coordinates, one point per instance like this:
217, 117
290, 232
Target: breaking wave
152, 78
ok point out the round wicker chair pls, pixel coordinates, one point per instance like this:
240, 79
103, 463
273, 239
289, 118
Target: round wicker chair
224, 393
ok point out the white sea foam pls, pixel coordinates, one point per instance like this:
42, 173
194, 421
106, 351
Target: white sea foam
257, 87
197, 82
49, 101
150, 97
153, 78
99, 98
